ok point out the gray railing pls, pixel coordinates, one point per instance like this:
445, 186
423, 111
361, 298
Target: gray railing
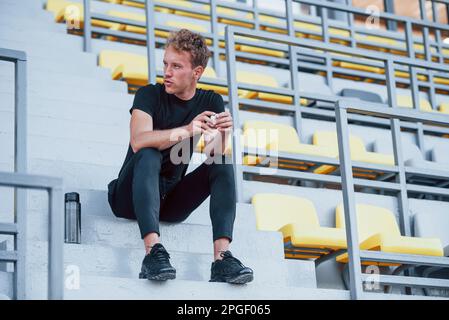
20, 180
328, 68
398, 187
396, 115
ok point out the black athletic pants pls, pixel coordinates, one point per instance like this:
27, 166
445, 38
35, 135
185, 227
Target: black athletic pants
140, 192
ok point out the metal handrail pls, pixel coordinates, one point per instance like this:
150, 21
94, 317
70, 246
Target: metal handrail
21, 180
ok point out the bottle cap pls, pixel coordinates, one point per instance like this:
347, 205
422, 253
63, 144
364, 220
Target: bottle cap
72, 196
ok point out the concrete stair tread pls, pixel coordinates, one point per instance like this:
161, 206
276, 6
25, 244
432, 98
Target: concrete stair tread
95, 287
58, 80
117, 100
100, 260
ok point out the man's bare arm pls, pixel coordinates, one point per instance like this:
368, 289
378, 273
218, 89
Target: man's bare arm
142, 134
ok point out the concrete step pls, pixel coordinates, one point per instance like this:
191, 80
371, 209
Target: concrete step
69, 150
26, 10
55, 40
71, 129
45, 86
19, 24
73, 110
24, 4
97, 260
79, 64
42, 67
95, 207
60, 59
6, 279
56, 80
76, 175
44, 71
112, 288
112, 99
186, 237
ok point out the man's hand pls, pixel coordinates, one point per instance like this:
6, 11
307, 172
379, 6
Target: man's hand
223, 121
201, 123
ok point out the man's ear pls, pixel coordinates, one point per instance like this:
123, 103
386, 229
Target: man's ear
198, 72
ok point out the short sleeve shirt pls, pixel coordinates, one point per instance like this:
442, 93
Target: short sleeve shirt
168, 112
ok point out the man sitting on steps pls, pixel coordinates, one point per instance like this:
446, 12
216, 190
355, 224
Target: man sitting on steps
152, 187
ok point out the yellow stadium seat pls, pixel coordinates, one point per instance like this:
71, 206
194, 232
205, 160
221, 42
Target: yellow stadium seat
378, 39
357, 66
297, 219
444, 107
358, 151
252, 49
407, 102
228, 12
272, 136
262, 79
68, 11
133, 68
379, 231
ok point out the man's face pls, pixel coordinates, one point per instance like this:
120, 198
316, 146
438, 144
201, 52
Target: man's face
179, 76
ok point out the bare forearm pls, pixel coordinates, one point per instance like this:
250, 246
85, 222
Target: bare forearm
159, 139
218, 142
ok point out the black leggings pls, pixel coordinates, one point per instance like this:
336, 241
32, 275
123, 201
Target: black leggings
139, 193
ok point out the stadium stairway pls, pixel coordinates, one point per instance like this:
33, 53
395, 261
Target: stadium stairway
78, 129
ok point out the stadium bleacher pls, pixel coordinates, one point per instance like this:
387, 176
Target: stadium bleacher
290, 218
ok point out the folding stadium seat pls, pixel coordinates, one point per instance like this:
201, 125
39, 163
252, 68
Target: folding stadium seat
232, 13
433, 224
379, 231
277, 137
328, 139
378, 42
252, 49
404, 101
444, 108
416, 160
262, 79
66, 11
304, 29
179, 3
297, 219
131, 67
362, 95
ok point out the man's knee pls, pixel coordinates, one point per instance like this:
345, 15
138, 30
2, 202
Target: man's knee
150, 154
221, 170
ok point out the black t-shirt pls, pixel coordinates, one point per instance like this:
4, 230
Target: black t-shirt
168, 112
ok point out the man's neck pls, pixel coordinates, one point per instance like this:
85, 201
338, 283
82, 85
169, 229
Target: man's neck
186, 95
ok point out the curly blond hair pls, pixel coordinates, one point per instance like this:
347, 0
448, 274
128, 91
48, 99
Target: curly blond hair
186, 40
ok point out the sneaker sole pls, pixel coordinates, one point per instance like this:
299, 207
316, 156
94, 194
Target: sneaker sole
241, 279
159, 277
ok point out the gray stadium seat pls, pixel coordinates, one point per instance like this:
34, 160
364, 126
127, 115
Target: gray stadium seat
362, 95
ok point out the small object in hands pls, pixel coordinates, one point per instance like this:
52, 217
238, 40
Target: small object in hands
213, 118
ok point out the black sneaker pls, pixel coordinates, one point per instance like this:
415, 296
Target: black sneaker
230, 270
156, 265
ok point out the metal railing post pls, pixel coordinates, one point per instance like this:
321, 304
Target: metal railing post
87, 27
151, 40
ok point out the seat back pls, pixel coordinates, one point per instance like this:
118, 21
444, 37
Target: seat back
273, 211
329, 139
432, 224
370, 220
407, 102
265, 134
362, 95
444, 107
112, 59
